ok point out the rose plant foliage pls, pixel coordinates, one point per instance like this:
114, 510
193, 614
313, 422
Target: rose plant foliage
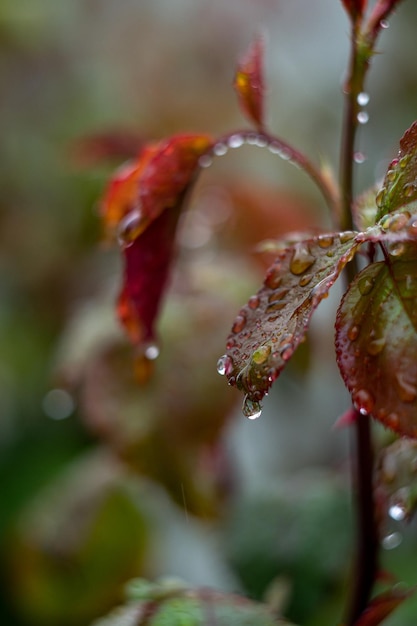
376, 323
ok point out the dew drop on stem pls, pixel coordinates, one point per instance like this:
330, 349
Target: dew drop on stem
363, 98
363, 117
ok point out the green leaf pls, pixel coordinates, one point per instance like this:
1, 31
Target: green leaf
376, 341
400, 183
271, 325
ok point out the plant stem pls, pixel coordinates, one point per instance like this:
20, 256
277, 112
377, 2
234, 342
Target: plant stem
365, 567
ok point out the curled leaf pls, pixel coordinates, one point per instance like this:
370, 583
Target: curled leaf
376, 342
400, 183
270, 326
136, 206
249, 83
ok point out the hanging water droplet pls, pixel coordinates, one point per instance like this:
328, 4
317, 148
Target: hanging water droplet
235, 141
384, 24
391, 541
251, 409
407, 391
325, 241
224, 365
261, 142
363, 98
252, 139
239, 324
287, 352
151, 352
399, 505
219, 149
353, 332
347, 235
205, 160
410, 189
359, 157
301, 260
363, 401
130, 227
397, 248
363, 117
274, 147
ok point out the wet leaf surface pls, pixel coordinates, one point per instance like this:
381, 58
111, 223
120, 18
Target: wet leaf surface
270, 326
376, 342
249, 83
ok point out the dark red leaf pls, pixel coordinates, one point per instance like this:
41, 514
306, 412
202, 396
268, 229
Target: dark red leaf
274, 321
376, 341
382, 606
249, 83
400, 184
136, 205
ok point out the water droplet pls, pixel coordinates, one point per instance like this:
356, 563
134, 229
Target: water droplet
404, 161
347, 235
235, 141
365, 285
251, 408
353, 332
151, 352
261, 355
363, 117
407, 391
363, 98
254, 302
273, 277
380, 197
391, 175
399, 504
363, 401
58, 404
224, 365
305, 280
392, 420
302, 260
384, 24
274, 147
391, 541
397, 248
397, 512
230, 343
239, 324
325, 241
359, 157
205, 160
410, 189
130, 227
287, 352
219, 149
252, 139
261, 142
375, 346
279, 294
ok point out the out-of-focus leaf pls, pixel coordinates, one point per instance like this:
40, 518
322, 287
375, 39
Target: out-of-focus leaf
381, 606
400, 186
365, 209
270, 326
105, 146
376, 342
396, 480
77, 544
137, 203
194, 608
249, 83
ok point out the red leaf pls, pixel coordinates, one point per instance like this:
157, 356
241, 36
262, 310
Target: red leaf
382, 606
249, 83
355, 8
104, 146
268, 329
380, 13
135, 204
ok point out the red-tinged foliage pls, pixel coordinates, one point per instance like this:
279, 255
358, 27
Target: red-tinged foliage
380, 13
249, 83
136, 205
355, 8
399, 187
95, 149
268, 329
382, 606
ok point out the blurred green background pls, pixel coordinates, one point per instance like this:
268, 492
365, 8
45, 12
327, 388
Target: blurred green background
103, 480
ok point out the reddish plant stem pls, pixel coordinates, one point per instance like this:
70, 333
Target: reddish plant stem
367, 544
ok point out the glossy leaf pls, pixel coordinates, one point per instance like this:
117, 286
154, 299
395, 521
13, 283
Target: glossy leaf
270, 326
376, 342
136, 205
249, 83
382, 606
400, 183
